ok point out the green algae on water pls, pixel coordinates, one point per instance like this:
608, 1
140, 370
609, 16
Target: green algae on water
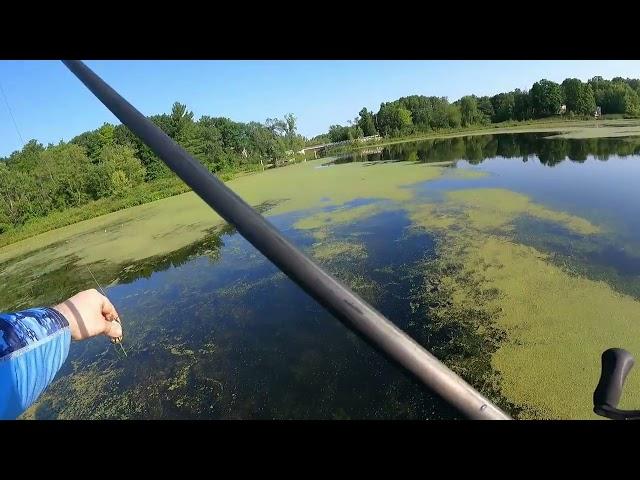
555, 324
325, 251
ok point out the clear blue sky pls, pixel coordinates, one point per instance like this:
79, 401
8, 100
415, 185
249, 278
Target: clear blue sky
50, 104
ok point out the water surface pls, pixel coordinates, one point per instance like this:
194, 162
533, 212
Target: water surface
213, 330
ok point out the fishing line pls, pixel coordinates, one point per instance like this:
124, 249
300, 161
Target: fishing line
115, 341
15, 124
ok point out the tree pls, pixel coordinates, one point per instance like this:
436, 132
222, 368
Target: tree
27, 158
179, 123
393, 119
106, 134
578, 96
63, 173
293, 140
619, 97
265, 144
469, 113
289, 125
205, 143
454, 116
366, 123
522, 105
503, 107
485, 107
546, 97
18, 192
338, 133
117, 172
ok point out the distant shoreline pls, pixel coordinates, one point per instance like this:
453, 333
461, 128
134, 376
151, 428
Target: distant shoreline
566, 128
570, 128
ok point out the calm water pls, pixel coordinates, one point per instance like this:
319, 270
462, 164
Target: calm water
215, 331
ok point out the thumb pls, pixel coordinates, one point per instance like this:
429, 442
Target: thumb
113, 329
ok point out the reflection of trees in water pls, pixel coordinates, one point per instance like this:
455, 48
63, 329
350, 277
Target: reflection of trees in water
475, 149
209, 246
23, 289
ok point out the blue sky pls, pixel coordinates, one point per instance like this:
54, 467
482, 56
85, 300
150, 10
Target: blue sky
50, 104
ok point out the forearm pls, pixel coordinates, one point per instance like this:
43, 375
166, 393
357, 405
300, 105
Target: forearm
34, 344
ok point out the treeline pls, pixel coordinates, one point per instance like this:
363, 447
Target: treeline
421, 114
111, 162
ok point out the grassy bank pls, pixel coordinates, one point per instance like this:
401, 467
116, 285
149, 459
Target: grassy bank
140, 195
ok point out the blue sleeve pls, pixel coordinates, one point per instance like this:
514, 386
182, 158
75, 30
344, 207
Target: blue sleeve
34, 344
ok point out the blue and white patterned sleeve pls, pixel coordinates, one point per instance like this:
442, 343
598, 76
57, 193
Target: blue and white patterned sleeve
34, 344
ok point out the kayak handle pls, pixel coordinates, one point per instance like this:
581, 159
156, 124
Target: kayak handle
616, 364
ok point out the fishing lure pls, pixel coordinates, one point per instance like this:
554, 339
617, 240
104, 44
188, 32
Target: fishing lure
114, 340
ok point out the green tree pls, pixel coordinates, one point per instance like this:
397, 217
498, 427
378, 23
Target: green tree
485, 107
64, 172
293, 141
206, 144
338, 133
394, 119
18, 195
619, 97
27, 158
117, 172
179, 124
469, 112
454, 116
578, 96
366, 123
546, 97
522, 105
503, 107
265, 145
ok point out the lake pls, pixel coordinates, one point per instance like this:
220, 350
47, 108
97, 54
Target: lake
514, 258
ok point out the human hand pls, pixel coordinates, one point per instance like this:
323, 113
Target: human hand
90, 313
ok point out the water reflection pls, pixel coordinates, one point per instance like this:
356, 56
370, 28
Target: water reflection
475, 149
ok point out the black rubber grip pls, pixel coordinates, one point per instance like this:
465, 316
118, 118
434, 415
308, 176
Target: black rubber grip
616, 364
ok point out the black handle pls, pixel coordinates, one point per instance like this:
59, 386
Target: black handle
616, 364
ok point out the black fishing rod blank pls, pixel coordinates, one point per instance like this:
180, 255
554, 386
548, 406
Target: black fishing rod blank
329, 292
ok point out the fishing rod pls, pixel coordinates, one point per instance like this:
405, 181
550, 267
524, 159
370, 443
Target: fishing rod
349, 308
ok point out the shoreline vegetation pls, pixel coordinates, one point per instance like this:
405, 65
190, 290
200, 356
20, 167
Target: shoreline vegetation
109, 168
607, 127
169, 186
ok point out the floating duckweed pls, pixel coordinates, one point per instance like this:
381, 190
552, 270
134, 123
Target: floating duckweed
330, 250
556, 324
492, 208
340, 216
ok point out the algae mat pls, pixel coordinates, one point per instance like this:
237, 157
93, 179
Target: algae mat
557, 323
